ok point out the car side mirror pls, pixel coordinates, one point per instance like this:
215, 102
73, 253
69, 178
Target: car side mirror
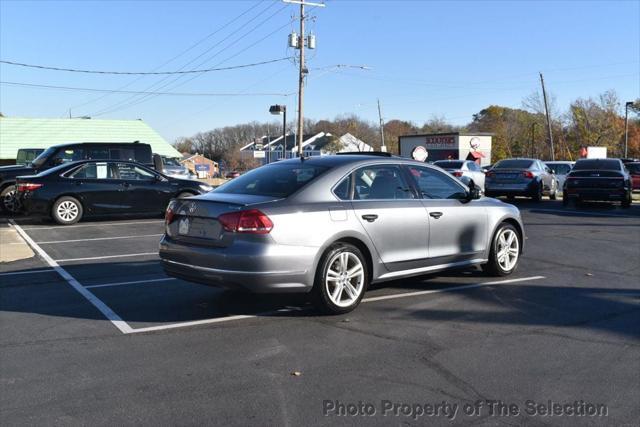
474, 192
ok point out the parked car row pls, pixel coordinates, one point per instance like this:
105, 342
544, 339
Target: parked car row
72, 181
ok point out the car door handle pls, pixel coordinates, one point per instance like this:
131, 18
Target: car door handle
370, 217
435, 215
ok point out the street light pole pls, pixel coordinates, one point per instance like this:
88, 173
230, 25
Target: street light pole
284, 132
626, 126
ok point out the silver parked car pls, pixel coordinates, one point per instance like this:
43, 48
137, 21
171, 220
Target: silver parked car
521, 177
332, 225
561, 169
464, 169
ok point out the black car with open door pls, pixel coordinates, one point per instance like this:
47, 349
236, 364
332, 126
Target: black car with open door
70, 192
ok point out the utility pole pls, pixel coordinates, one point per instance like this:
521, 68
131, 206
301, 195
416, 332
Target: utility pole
533, 139
626, 126
546, 111
383, 147
299, 43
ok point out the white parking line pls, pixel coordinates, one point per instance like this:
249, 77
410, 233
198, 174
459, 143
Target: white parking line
455, 288
571, 213
52, 242
97, 303
16, 273
103, 224
384, 297
106, 257
135, 282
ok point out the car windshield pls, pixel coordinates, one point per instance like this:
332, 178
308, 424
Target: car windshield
599, 164
448, 164
634, 168
172, 161
274, 180
513, 164
39, 161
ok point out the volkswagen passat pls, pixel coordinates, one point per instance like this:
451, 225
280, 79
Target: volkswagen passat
332, 225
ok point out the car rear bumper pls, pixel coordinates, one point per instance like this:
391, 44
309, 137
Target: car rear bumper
260, 268
596, 194
508, 189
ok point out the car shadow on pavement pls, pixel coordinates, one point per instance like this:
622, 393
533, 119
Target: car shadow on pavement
602, 309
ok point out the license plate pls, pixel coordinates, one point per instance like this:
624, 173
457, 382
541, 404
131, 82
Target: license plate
184, 226
508, 175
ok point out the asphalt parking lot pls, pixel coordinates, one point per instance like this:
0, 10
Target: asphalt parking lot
93, 332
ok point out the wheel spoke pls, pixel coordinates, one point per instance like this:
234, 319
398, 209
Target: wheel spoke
353, 293
344, 261
355, 271
337, 293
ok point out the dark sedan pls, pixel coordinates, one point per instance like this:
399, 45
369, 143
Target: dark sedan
69, 192
598, 180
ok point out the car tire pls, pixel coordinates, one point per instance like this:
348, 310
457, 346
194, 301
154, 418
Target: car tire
335, 291
501, 263
8, 202
537, 196
67, 210
553, 193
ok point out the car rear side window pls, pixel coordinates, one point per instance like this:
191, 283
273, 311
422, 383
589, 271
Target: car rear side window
381, 182
274, 180
434, 184
343, 190
93, 171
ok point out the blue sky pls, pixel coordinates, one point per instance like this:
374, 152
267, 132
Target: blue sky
427, 58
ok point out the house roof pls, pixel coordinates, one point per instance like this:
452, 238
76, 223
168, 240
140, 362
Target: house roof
19, 132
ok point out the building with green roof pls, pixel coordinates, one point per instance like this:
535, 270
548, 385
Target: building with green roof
18, 132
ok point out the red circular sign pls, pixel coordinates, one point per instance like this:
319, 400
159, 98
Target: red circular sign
420, 153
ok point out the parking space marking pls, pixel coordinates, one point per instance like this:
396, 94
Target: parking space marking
52, 242
289, 309
97, 303
93, 258
213, 320
571, 213
455, 288
16, 273
57, 227
134, 282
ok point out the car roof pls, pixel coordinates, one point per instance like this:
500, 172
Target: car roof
341, 159
68, 144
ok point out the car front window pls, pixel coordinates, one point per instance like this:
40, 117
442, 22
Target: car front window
435, 185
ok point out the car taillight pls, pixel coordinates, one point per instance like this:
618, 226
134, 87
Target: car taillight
527, 174
28, 186
457, 173
252, 222
168, 215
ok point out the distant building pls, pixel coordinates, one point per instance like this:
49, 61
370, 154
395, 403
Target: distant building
18, 132
319, 144
451, 145
191, 161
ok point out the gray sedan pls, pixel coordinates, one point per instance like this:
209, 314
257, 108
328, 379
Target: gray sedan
470, 171
331, 225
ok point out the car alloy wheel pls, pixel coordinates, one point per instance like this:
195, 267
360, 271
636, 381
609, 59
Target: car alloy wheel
508, 249
67, 210
505, 251
344, 279
341, 279
9, 201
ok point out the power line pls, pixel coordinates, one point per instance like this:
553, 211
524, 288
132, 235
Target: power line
85, 89
132, 101
142, 73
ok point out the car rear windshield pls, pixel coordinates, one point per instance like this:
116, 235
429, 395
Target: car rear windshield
448, 164
634, 168
598, 164
513, 164
275, 180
